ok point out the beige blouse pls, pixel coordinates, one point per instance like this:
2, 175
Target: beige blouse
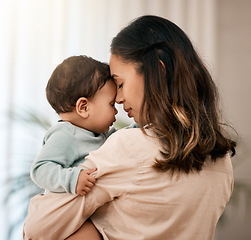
131, 200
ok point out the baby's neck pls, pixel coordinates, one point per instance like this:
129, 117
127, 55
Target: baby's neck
73, 118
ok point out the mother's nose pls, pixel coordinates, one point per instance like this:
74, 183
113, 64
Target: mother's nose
119, 98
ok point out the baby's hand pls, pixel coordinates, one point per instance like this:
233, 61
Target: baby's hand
85, 182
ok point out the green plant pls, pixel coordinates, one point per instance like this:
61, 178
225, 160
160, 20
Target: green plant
18, 186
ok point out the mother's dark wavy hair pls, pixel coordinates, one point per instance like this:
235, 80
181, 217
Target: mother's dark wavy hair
180, 97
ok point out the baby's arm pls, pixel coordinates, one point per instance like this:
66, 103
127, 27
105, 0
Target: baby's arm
52, 169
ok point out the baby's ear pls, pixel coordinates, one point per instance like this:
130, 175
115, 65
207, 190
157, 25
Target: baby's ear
82, 107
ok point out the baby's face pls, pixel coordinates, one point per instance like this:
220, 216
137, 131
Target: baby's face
103, 111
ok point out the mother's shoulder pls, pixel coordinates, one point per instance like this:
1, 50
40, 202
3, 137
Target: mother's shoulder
134, 135
128, 132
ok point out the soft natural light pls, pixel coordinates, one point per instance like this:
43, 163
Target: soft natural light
36, 35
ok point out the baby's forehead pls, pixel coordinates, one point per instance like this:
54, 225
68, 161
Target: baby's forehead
112, 81
110, 85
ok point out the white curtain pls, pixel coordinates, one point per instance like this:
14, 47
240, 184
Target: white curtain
36, 35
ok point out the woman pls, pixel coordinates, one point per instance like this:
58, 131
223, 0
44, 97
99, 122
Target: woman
170, 179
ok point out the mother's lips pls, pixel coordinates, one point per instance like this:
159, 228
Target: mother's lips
128, 110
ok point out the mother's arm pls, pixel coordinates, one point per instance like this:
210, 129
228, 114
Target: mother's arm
57, 216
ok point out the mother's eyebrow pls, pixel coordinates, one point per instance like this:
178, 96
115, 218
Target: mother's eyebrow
114, 75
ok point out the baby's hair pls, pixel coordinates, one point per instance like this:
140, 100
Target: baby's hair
75, 77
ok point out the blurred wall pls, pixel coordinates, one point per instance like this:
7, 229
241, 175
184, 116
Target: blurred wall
233, 74
233, 77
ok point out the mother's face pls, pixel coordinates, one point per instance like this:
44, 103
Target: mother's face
130, 86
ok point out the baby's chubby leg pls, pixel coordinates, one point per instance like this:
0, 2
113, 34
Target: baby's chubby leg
86, 232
